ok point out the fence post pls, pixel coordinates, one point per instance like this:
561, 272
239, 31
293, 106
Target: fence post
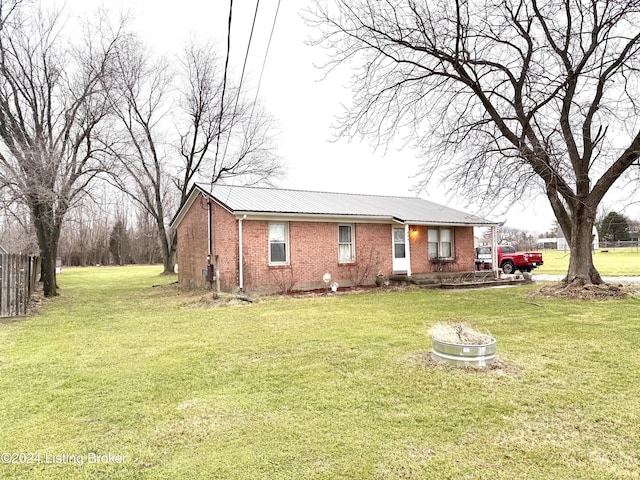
18, 277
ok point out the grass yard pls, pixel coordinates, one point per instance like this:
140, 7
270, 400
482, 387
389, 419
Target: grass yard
314, 387
613, 262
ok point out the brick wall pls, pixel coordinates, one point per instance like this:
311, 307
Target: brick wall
193, 248
462, 244
192, 245
225, 246
465, 248
313, 252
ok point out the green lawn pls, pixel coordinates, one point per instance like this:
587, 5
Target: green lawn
612, 262
316, 387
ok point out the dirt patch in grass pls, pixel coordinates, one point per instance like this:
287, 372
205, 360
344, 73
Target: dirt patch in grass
499, 368
197, 300
605, 291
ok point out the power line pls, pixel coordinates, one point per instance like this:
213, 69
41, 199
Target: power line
255, 15
224, 87
264, 62
246, 55
244, 66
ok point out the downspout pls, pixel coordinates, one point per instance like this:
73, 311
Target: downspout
408, 252
209, 236
494, 250
209, 244
240, 259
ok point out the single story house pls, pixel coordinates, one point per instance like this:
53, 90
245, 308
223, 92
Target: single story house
270, 239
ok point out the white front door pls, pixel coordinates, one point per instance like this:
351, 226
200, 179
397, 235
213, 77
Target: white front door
400, 254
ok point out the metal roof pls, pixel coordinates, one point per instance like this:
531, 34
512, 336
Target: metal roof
260, 200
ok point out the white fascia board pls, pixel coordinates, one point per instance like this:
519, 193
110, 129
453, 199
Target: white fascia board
195, 193
450, 224
298, 217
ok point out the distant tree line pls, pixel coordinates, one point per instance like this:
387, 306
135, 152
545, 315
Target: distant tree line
616, 227
87, 103
610, 225
94, 233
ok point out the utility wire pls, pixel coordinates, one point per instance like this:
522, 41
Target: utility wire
264, 62
244, 66
241, 79
224, 87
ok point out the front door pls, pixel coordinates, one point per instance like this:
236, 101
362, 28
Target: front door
400, 257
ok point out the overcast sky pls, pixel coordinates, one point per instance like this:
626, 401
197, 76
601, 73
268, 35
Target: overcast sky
303, 104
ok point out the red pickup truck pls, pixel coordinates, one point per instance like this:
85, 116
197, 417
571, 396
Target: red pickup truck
508, 259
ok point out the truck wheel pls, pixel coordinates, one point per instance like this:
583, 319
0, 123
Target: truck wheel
508, 267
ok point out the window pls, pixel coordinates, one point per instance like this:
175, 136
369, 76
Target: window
278, 244
440, 243
399, 247
346, 250
446, 244
433, 243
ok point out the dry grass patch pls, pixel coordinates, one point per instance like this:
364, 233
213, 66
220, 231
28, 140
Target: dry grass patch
459, 333
587, 292
500, 368
317, 387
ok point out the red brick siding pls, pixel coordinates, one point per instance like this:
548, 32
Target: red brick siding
462, 244
313, 252
193, 248
225, 245
465, 249
192, 245
419, 249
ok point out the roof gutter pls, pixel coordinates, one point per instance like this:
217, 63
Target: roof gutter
315, 217
451, 224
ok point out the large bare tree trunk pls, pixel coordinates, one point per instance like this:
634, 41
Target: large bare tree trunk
499, 97
52, 102
581, 269
168, 243
48, 235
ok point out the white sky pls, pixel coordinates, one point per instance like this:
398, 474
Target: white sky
303, 105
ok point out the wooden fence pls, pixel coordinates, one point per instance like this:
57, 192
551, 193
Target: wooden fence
18, 278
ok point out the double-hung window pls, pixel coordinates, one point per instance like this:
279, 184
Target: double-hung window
278, 243
440, 242
346, 248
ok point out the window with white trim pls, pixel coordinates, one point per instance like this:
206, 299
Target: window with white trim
440, 242
346, 245
278, 243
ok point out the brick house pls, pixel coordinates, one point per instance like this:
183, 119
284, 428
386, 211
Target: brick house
268, 239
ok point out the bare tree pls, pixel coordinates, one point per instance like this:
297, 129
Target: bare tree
52, 102
215, 141
220, 138
84, 237
145, 247
504, 94
141, 103
16, 231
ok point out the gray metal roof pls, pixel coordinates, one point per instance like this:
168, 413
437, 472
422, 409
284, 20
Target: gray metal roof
241, 200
